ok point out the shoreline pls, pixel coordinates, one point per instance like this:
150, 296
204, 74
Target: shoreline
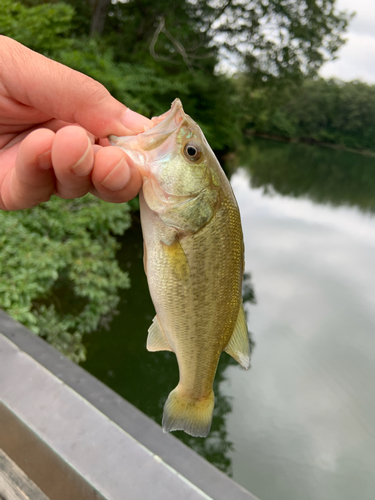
311, 142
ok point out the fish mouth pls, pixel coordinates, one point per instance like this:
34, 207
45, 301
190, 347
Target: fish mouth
140, 147
166, 123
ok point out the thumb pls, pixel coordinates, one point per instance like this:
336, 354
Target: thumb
63, 93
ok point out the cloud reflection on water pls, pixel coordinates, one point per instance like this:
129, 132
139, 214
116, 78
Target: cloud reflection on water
303, 419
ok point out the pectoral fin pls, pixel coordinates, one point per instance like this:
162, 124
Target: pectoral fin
177, 260
156, 340
238, 346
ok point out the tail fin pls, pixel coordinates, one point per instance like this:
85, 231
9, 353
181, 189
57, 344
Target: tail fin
193, 416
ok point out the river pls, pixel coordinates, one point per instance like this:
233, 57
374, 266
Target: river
300, 424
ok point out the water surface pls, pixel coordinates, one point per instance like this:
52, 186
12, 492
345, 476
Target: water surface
301, 423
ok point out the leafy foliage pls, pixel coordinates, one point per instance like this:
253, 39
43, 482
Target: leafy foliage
43, 27
329, 111
58, 268
136, 85
270, 38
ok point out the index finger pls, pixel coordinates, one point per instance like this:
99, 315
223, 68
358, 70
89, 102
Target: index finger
60, 92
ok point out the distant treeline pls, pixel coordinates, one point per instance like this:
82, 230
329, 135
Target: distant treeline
325, 111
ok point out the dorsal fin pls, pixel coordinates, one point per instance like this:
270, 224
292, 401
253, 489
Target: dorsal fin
156, 340
239, 346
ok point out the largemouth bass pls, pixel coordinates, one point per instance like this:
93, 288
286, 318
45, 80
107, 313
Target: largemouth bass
194, 261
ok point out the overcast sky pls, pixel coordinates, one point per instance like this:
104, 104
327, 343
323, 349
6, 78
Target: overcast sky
356, 59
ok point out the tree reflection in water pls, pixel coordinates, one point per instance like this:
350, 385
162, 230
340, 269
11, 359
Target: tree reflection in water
119, 357
322, 174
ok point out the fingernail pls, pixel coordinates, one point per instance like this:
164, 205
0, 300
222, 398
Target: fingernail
44, 160
80, 168
118, 177
134, 121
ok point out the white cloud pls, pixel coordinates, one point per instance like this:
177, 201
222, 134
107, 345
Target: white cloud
364, 20
356, 59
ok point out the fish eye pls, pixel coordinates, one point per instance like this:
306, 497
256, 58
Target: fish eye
192, 151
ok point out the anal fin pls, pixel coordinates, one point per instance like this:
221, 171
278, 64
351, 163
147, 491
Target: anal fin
156, 340
239, 346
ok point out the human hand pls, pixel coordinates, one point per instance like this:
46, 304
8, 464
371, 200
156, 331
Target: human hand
41, 153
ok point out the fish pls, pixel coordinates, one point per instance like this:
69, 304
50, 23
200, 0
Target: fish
193, 259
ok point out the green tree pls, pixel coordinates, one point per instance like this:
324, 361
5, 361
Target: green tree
44, 27
58, 268
272, 38
328, 111
269, 43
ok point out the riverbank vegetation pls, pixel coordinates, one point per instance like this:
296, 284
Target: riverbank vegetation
331, 112
59, 273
